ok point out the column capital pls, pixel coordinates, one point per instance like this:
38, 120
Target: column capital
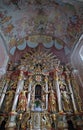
56, 78
30, 79
21, 76
46, 79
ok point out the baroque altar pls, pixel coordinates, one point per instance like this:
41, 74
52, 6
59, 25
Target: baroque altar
39, 93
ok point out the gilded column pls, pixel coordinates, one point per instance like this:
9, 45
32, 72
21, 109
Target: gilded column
20, 85
29, 92
2, 84
58, 92
46, 81
19, 89
76, 90
3, 93
70, 88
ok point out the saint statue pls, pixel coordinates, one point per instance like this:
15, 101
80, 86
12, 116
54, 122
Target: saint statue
65, 98
52, 101
22, 103
8, 100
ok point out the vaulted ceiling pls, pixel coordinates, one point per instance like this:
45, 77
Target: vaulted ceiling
53, 24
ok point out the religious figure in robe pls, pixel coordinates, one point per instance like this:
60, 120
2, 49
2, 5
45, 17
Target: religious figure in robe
22, 103
65, 96
9, 100
52, 101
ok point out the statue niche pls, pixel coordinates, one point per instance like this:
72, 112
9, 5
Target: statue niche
38, 92
38, 97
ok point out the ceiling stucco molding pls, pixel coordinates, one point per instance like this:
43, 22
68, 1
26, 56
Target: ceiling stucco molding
59, 19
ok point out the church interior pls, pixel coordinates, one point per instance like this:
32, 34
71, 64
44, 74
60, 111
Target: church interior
41, 65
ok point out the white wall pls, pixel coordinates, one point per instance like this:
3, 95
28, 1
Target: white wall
3, 54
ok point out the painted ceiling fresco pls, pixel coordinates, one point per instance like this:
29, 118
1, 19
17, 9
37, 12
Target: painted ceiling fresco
52, 23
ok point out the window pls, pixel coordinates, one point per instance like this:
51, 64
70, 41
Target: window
81, 52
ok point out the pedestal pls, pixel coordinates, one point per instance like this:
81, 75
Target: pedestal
62, 122
10, 128
79, 122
